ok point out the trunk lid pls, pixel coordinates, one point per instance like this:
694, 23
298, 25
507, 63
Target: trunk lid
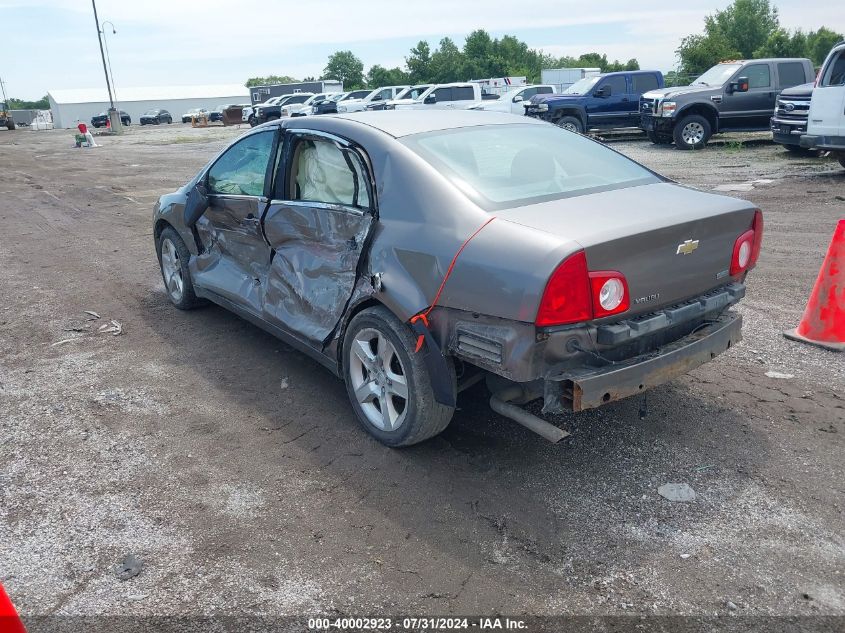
671, 243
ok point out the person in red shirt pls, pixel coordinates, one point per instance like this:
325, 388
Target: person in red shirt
89, 138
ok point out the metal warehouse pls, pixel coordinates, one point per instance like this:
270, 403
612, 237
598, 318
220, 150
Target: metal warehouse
71, 106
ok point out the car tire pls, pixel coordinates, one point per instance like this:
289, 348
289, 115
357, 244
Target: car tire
157, 122
388, 345
797, 150
570, 123
692, 132
842, 160
11, 125
251, 120
659, 139
173, 257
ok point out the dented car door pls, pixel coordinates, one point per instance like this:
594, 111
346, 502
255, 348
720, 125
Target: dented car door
236, 257
317, 226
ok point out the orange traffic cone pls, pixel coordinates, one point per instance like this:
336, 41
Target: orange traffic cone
823, 323
9, 620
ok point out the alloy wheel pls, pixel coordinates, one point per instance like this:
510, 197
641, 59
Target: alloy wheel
693, 133
379, 380
171, 269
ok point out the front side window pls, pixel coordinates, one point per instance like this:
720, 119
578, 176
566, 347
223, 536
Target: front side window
834, 74
759, 76
242, 169
504, 166
614, 85
322, 171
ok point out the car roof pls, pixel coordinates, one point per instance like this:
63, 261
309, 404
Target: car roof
399, 123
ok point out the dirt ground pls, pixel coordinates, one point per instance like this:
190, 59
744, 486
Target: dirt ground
233, 468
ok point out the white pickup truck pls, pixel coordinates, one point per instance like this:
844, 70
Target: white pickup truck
513, 100
383, 94
441, 97
826, 121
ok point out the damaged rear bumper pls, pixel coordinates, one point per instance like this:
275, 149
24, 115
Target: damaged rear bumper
588, 388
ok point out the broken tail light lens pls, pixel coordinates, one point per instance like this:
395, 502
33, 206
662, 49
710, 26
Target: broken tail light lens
610, 293
567, 297
747, 246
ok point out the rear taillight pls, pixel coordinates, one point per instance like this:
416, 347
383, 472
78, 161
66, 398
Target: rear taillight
567, 298
573, 294
610, 293
747, 247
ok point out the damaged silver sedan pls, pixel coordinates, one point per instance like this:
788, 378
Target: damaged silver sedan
414, 254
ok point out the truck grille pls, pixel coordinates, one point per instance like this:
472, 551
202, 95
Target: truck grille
793, 109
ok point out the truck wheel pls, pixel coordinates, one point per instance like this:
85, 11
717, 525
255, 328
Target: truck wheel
570, 123
252, 122
692, 132
842, 160
659, 139
173, 258
388, 382
10, 125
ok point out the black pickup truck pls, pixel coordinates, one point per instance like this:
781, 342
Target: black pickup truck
731, 96
269, 113
790, 118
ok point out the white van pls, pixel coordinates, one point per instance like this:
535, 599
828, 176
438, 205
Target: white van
826, 123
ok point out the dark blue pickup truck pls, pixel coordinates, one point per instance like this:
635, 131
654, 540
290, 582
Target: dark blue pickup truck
606, 101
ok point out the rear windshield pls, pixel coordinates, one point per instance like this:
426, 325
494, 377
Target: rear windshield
504, 166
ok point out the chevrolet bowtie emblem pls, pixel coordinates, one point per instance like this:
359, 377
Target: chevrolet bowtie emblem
687, 247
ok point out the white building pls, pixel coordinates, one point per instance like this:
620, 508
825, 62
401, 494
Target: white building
71, 106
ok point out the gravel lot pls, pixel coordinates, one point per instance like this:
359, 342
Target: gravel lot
233, 468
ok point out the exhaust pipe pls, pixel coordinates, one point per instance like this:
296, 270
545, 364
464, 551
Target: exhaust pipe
499, 403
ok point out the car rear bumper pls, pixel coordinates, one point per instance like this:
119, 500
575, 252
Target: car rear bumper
830, 143
593, 387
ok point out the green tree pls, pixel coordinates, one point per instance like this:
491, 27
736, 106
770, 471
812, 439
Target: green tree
745, 24
346, 67
19, 104
419, 62
699, 52
447, 63
270, 80
820, 42
381, 76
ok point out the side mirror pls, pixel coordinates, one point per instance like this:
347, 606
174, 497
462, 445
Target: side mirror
517, 98
196, 203
740, 85
430, 99
602, 92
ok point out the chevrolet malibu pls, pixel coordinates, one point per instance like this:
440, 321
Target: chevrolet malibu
416, 254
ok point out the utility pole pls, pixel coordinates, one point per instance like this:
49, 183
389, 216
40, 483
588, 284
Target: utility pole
113, 116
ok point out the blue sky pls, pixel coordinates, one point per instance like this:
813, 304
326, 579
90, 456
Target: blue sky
53, 43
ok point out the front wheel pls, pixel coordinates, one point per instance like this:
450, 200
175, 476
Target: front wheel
571, 124
252, 122
388, 382
658, 139
173, 258
692, 132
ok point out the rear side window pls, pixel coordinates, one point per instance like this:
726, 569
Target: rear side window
644, 83
791, 74
834, 74
616, 85
443, 94
544, 90
463, 93
759, 75
323, 172
241, 170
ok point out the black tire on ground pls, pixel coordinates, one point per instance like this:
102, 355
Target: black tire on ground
841, 158
252, 121
127, 122
142, 123
571, 123
659, 139
157, 121
188, 299
11, 125
797, 150
424, 417
692, 132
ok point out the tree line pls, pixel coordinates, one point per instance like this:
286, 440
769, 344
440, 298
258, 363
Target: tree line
744, 30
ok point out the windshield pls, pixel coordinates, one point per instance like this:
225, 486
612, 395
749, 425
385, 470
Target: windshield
505, 166
151, 112
582, 86
717, 75
338, 97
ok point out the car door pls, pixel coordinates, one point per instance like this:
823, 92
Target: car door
443, 98
607, 105
236, 257
827, 107
751, 109
462, 96
317, 225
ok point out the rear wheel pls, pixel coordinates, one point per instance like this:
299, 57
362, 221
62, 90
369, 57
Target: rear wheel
388, 382
659, 139
692, 132
842, 159
571, 124
173, 258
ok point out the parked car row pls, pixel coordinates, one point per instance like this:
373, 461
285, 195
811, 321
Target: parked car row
100, 120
